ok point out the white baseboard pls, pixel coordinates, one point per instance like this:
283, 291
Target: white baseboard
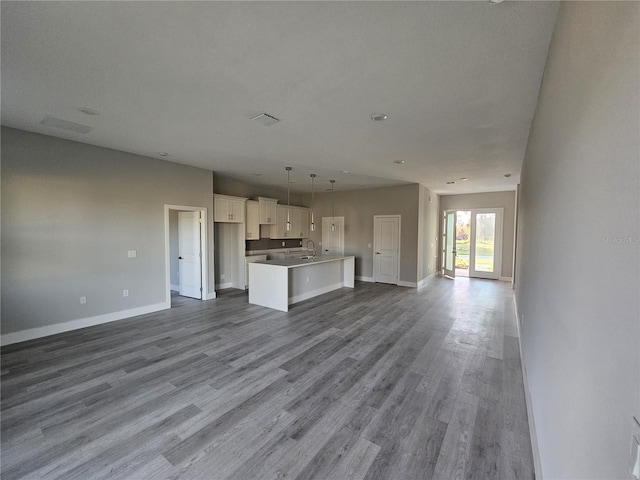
175, 288
222, 286
38, 332
506, 279
427, 279
402, 283
315, 293
365, 279
537, 465
210, 296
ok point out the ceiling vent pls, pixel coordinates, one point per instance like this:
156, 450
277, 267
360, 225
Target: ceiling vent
265, 119
65, 125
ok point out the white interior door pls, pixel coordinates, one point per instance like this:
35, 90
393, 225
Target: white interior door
449, 244
189, 254
333, 239
386, 248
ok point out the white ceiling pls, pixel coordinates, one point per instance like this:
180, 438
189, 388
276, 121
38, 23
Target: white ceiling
458, 80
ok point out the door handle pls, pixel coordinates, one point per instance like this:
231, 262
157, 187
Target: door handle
377, 253
326, 250
180, 258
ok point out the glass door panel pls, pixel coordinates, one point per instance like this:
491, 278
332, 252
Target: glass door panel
485, 242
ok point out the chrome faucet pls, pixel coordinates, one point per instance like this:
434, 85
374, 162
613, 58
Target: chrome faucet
314, 246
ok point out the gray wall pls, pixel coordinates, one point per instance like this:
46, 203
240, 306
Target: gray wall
358, 208
577, 283
506, 200
70, 213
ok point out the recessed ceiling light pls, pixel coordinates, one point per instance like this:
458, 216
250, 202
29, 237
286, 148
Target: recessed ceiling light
88, 111
496, 1
463, 179
399, 162
450, 182
163, 154
257, 174
507, 175
379, 117
344, 171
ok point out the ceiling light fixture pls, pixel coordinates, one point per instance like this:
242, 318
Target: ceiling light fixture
163, 154
313, 225
507, 175
288, 169
463, 179
344, 171
379, 117
333, 211
451, 182
399, 162
495, 2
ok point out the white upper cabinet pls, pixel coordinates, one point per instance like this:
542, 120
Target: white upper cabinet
268, 210
228, 209
299, 219
252, 224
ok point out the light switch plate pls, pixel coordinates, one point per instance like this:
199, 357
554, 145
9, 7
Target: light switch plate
132, 253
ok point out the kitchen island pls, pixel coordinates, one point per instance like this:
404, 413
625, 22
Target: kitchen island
280, 283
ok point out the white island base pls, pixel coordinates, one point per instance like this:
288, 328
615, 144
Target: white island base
280, 283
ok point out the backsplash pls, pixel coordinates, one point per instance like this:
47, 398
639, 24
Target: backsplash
271, 244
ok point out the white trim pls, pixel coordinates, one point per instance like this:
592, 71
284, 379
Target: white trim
204, 268
222, 286
175, 288
537, 464
315, 293
38, 332
210, 295
407, 284
365, 279
506, 279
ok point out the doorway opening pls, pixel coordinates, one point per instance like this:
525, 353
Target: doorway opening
186, 270
472, 243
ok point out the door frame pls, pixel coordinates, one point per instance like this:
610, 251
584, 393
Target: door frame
445, 226
204, 271
399, 217
497, 266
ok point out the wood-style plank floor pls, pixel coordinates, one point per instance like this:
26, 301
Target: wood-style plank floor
376, 382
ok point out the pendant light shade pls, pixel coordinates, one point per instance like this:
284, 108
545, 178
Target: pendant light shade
313, 224
288, 169
333, 211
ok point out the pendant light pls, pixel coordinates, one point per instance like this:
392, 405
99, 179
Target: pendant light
313, 225
333, 211
288, 169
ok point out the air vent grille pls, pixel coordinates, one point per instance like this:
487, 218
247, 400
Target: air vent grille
265, 119
65, 125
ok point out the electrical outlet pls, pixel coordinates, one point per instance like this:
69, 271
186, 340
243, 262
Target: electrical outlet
307, 279
222, 276
83, 300
132, 253
125, 293
283, 243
